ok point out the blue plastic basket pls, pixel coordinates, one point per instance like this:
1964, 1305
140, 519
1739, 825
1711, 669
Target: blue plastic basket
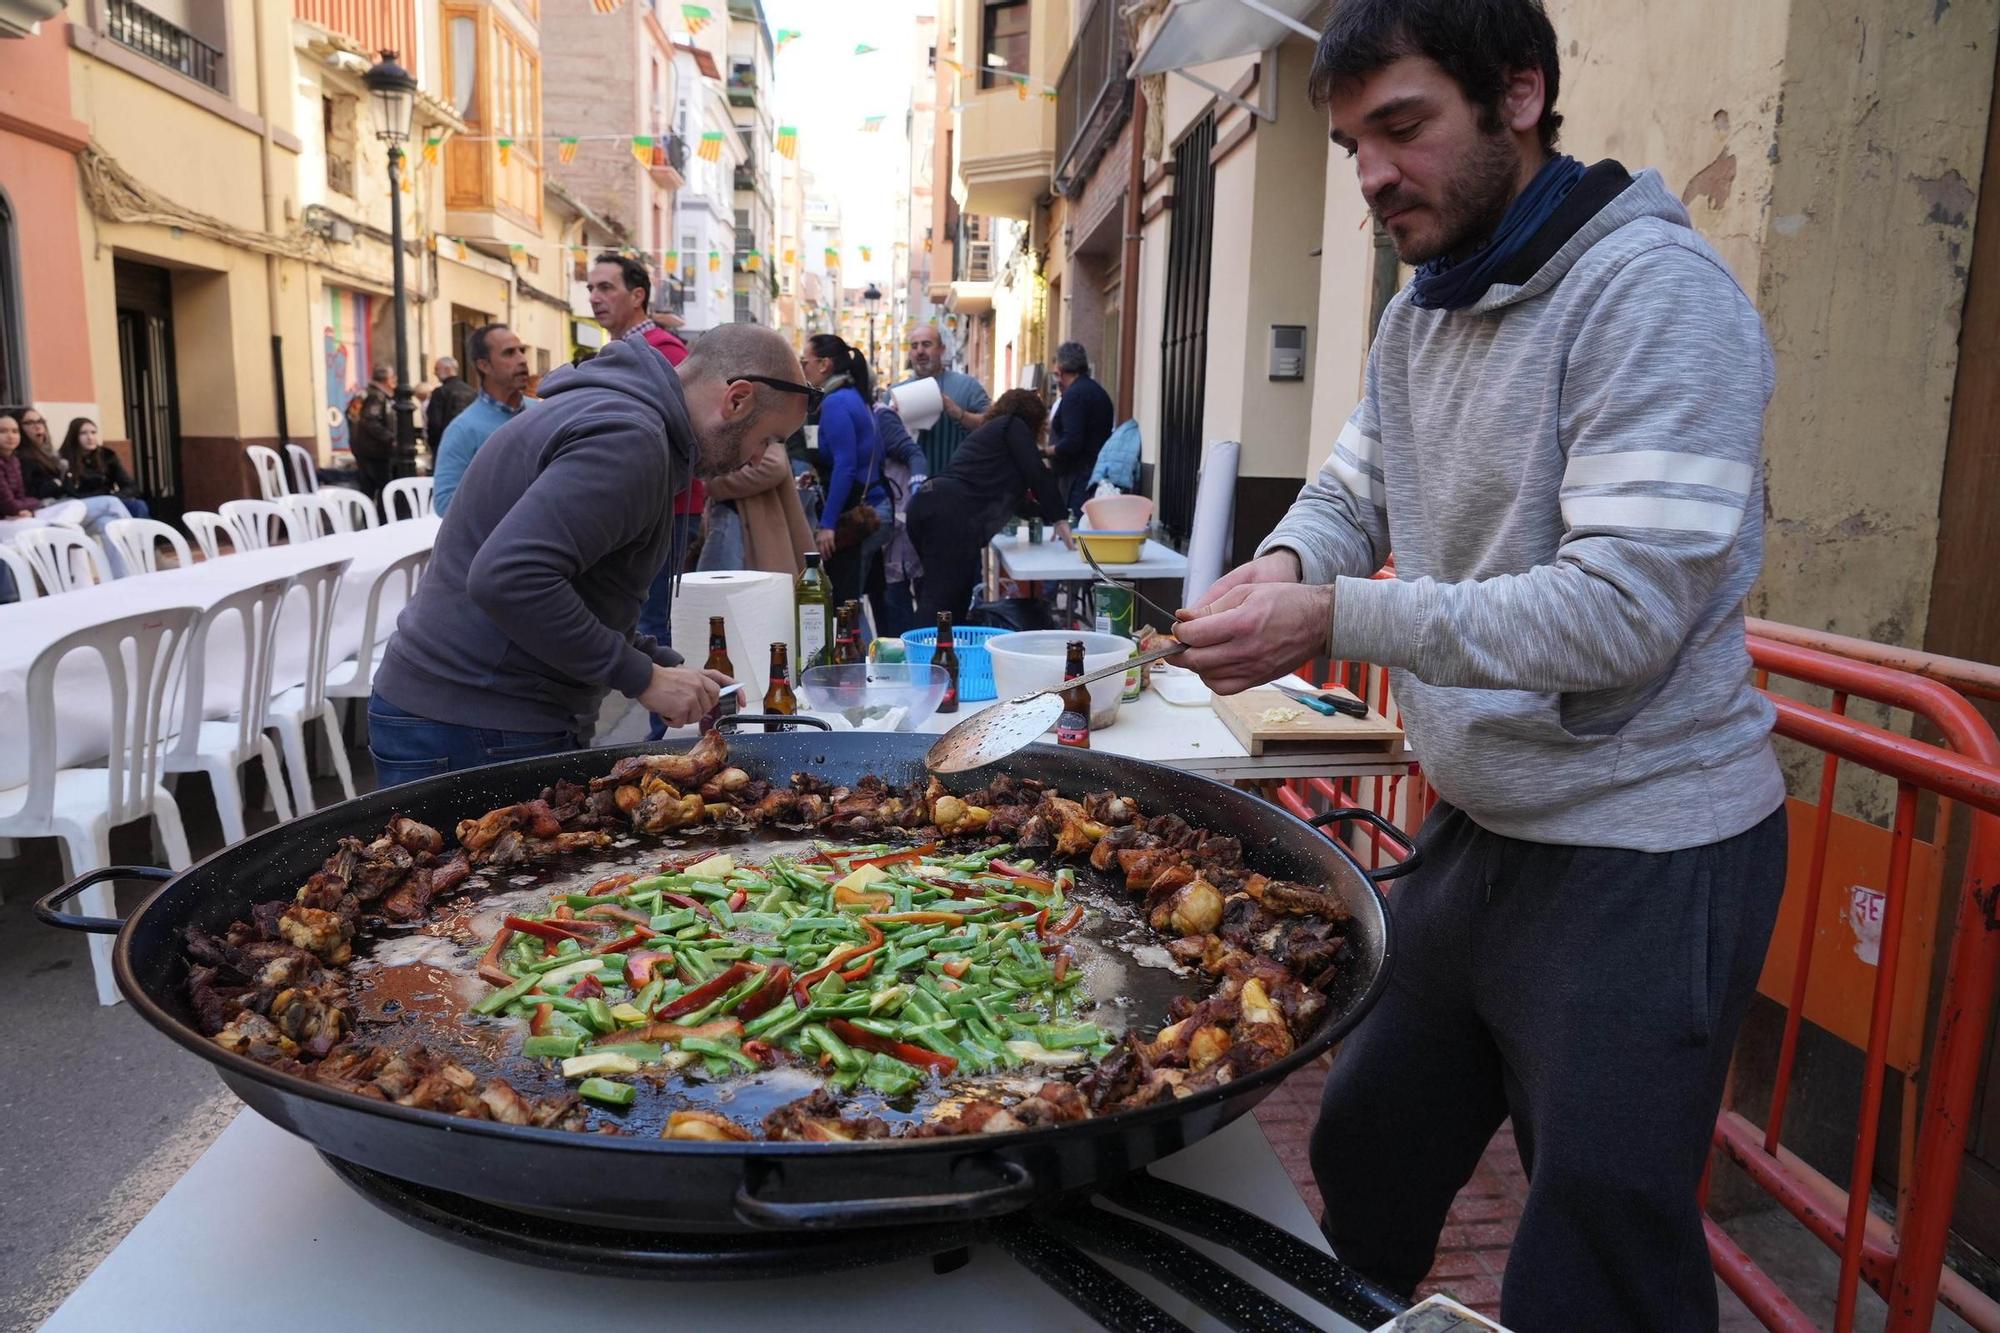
975, 665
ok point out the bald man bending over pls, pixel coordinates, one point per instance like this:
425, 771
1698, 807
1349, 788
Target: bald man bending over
525, 616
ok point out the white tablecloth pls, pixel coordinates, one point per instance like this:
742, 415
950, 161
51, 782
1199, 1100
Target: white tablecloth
83, 725
1051, 561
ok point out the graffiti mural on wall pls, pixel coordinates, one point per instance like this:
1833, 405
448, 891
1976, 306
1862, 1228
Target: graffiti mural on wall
347, 358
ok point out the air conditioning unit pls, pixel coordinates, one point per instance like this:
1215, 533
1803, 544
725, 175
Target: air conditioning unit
979, 261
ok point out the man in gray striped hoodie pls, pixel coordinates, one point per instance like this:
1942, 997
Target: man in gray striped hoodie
1559, 440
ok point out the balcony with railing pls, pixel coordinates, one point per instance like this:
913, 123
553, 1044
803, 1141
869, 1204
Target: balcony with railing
742, 83
1093, 96
139, 29
374, 25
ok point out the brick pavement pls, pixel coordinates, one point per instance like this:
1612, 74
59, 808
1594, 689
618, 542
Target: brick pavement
1472, 1252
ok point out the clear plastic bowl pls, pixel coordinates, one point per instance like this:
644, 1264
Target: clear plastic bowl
866, 694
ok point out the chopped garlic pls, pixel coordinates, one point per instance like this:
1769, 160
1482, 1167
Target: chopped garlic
1277, 717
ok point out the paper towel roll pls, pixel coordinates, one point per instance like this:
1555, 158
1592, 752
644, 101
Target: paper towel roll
1214, 514
919, 403
756, 611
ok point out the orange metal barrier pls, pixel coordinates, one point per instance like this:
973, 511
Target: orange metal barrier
1904, 1264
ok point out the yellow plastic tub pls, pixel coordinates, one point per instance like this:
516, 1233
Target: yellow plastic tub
1113, 548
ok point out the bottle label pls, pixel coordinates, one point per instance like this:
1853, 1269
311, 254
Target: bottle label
1071, 735
812, 634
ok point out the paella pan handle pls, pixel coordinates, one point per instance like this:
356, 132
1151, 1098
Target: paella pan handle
1015, 1187
46, 906
1412, 858
789, 719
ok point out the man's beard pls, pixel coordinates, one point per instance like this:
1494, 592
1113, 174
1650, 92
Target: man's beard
722, 448
1476, 196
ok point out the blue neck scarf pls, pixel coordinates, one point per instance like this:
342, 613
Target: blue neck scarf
1444, 284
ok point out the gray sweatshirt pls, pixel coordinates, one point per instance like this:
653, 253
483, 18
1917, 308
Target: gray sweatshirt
1568, 474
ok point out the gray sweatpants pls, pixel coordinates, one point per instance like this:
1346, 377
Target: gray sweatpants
1593, 995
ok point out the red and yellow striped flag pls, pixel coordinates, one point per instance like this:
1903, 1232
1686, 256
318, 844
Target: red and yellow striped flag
788, 141
697, 16
715, 261
711, 146
642, 148
506, 150
566, 149
606, 6
431, 143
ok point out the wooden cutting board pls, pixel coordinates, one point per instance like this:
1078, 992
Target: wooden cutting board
1243, 714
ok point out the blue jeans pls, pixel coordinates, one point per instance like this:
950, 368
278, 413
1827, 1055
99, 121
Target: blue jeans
407, 747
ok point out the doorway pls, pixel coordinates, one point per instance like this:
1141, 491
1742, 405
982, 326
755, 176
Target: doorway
147, 378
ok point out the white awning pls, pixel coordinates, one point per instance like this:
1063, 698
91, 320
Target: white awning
1199, 32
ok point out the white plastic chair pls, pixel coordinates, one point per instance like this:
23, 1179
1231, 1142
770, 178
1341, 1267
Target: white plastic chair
352, 510
82, 805
64, 558
355, 678
26, 586
305, 469
220, 748
210, 531
137, 541
256, 524
293, 709
270, 470
411, 492
313, 516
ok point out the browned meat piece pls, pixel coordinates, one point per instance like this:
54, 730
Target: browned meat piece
1110, 809
504, 1104
450, 1088
323, 891
311, 1021
1006, 791
706, 1126
1309, 947
1127, 837
487, 837
1061, 824
1281, 896
580, 841
779, 804
264, 917
250, 1033
1118, 1075
687, 771
1005, 822
1194, 908
324, 934
381, 870
415, 838
1141, 868
662, 808
412, 898
448, 876
1208, 952
1051, 1104
725, 785
817, 1118
869, 807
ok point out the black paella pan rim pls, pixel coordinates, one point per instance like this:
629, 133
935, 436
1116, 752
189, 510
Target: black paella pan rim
508, 781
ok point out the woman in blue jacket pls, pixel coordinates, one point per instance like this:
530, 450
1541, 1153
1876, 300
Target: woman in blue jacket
849, 444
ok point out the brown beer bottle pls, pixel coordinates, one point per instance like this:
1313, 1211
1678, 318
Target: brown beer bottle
718, 660
779, 698
847, 641
1073, 727
946, 656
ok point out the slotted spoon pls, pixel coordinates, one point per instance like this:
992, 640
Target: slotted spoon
993, 733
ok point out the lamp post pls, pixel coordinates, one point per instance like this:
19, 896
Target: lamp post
395, 93
870, 297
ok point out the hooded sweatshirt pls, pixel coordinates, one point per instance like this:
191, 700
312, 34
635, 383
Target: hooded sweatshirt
524, 618
1568, 472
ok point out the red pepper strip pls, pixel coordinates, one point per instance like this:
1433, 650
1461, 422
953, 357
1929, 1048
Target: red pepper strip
777, 980
564, 912
961, 890
1062, 965
639, 965
1068, 923
736, 900
546, 930
901, 1050
615, 912
1021, 876
539, 1024
956, 967
590, 988
760, 1052
682, 900
802, 991
861, 971
610, 885
489, 966
709, 991
626, 945
1042, 922
895, 858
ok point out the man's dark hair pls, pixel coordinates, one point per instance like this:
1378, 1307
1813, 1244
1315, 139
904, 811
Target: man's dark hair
476, 343
632, 272
1479, 43
1071, 359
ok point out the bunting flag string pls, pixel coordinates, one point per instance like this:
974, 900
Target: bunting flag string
696, 16
711, 146
431, 142
506, 149
715, 261
788, 141
867, 253
642, 149
871, 124
566, 149
786, 36
606, 6
864, 49
753, 262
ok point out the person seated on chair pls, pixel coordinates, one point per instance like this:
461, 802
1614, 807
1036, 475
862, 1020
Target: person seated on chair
47, 478
96, 469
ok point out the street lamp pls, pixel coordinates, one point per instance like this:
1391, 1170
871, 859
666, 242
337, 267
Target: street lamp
394, 90
870, 297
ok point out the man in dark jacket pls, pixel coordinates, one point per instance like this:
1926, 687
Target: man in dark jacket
1081, 426
452, 396
373, 439
525, 616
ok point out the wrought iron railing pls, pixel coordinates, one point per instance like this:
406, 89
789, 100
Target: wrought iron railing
134, 26
1092, 94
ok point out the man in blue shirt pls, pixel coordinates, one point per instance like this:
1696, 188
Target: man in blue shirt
500, 360
965, 398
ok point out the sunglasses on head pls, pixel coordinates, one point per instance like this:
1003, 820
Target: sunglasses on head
812, 395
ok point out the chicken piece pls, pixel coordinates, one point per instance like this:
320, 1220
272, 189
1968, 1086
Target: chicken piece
776, 806
322, 934
250, 1033
687, 771
1206, 1046
412, 898
504, 1104
414, 837
1284, 897
1110, 809
724, 785
662, 808
1195, 908
1127, 837
450, 875
308, 1019
1141, 868
954, 817
704, 1126
1075, 832
817, 1118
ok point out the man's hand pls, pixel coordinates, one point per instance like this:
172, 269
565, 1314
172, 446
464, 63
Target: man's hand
824, 538
951, 409
1280, 566
1255, 632
1064, 535
680, 696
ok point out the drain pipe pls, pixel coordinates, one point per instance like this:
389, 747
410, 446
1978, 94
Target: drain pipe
1128, 305
265, 155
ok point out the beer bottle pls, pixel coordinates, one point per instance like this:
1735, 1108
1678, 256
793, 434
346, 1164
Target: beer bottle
847, 639
813, 599
718, 660
1073, 727
946, 656
779, 698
